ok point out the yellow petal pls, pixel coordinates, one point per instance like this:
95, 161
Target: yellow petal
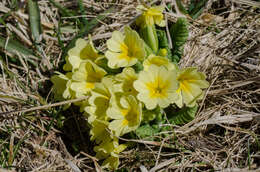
190, 84
115, 42
79, 45
158, 61
126, 80
74, 61
81, 88
61, 86
99, 131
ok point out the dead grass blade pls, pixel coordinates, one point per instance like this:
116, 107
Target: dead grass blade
163, 164
45, 106
248, 2
73, 166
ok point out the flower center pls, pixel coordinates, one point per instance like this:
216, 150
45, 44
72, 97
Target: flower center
124, 112
158, 88
183, 86
124, 52
90, 85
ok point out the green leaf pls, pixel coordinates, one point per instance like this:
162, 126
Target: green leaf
35, 21
60, 42
162, 37
2, 22
181, 7
16, 148
64, 11
148, 115
14, 5
82, 11
35, 24
4, 17
146, 130
85, 30
196, 8
183, 116
177, 54
179, 35
15, 47
179, 32
163, 43
151, 124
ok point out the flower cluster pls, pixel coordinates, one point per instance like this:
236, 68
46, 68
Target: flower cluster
145, 80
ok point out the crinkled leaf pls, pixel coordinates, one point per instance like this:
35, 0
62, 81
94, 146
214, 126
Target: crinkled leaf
163, 43
179, 35
179, 32
183, 116
177, 54
152, 124
146, 130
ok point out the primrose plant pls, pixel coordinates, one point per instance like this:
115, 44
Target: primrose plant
132, 83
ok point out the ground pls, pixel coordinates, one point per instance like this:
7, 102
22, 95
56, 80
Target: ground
37, 135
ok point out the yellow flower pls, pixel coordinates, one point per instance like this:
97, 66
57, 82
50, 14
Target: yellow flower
126, 113
190, 84
99, 131
126, 80
82, 51
61, 86
100, 100
124, 50
151, 16
85, 77
156, 86
109, 150
112, 162
158, 61
108, 147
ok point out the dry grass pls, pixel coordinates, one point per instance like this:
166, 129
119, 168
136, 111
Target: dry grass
224, 43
